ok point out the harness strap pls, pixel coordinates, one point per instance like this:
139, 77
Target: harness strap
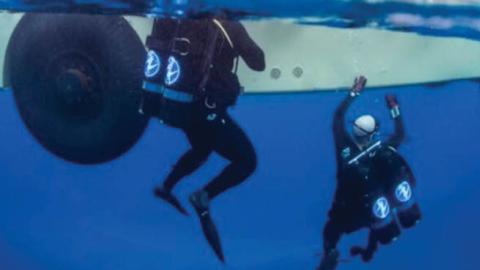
168, 93
230, 42
225, 33
369, 150
208, 59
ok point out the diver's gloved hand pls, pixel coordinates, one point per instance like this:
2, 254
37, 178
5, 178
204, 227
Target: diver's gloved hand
363, 252
392, 104
358, 85
392, 101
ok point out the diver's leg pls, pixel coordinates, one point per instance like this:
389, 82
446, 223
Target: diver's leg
331, 236
232, 143
367, 252
372, 247
186, 165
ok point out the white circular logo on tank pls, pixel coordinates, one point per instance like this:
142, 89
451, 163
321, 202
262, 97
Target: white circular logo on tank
152, 65
173, 71
381, 208
403, 192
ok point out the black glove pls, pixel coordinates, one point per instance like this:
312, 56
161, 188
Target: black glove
391, 101
358, 85
392, 104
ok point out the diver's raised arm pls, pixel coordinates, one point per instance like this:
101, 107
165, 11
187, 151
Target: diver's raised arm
339, 132
246, 47
399, 134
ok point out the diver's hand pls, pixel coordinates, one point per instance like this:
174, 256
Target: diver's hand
392, 104
392, 101
358, 86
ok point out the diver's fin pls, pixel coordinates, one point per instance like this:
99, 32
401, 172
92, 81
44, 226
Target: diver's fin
167, 196
200, 203
211, 233
330, 261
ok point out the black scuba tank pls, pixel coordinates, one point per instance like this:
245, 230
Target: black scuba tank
400, 187
383, 223
180, 53
402, 195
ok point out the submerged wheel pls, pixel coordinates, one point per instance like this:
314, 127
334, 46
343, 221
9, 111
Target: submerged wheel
77, 81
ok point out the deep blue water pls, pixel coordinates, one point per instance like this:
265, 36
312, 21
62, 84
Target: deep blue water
56, 215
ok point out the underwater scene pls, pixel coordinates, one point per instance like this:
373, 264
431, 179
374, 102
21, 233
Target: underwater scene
252, 134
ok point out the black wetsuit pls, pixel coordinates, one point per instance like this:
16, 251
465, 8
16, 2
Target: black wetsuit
356, 181
213, 130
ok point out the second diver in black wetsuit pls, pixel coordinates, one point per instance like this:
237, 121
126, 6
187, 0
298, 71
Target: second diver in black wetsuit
190, 81
375, 185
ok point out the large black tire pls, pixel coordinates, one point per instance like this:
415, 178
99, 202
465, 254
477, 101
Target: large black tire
77, 83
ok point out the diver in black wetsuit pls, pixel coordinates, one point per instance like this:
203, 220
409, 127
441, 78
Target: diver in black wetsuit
193, 91
374, 183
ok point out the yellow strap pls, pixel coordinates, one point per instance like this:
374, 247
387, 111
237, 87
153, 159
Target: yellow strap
223, 31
